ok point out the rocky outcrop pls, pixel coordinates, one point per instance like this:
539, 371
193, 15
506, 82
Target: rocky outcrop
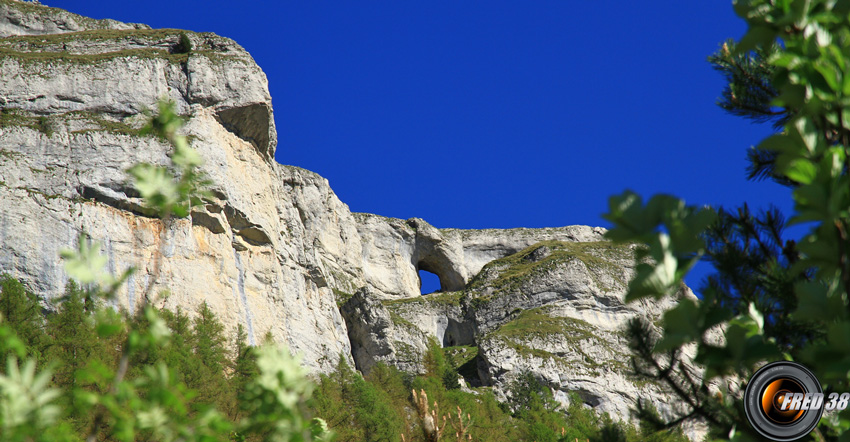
118, 73
375, 338
22, 18
395, 250
398, 332
274, 249
554, 309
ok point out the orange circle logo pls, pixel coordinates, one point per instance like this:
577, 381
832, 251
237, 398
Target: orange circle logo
773, 397
784, 401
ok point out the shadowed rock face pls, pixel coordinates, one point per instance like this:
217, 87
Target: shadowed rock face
250, 123
274, 249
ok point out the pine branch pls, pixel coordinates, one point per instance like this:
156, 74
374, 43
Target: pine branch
642, 344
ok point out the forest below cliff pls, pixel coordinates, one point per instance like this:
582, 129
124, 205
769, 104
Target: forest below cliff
83, 341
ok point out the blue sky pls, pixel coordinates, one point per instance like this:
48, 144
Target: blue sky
491, 114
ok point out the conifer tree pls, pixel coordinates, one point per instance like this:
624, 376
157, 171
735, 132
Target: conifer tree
74, 342
209, 341
147, 355
748, 251
211, 353
749, 93
354, 408
74, 346
244, 361
21, 311
138, 398
179, 355
751, 257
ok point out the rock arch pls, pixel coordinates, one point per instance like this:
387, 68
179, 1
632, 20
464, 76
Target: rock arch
432, 253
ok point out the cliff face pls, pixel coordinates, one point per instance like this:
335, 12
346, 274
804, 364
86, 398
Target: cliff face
275, 249
72, 104
554, 309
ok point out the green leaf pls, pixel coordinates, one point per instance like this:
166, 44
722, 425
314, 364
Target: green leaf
86, 264
156, 185
624, 210
757, 36
811, 203
757, 317
829, 74
26, 398
184, 156
793, 96
157, 329
9, 341
658, 278
171, 192
778, 143
804, 130
681, 325
802, 171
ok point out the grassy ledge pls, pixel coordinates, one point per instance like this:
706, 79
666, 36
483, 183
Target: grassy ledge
511, 271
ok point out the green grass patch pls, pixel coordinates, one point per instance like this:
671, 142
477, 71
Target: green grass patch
96, 35
443, 298
182, 42
401, 322
52, 47
48, 57
17, 118
46, 196
341, 297
10, 155
461, 354
96, 122
571, 332
99, 123
42, 10
537, 323
464, 360
511, 271
406, 352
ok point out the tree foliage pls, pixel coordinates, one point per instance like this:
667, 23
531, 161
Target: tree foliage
770, 298
21, 312
394, 406
749, 92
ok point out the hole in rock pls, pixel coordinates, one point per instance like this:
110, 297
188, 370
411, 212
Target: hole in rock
428, 282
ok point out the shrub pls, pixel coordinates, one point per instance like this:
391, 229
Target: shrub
184, 44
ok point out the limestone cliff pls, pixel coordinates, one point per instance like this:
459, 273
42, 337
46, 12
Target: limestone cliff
554, 309
275, 249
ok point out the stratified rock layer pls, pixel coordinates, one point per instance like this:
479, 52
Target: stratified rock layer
274, 249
